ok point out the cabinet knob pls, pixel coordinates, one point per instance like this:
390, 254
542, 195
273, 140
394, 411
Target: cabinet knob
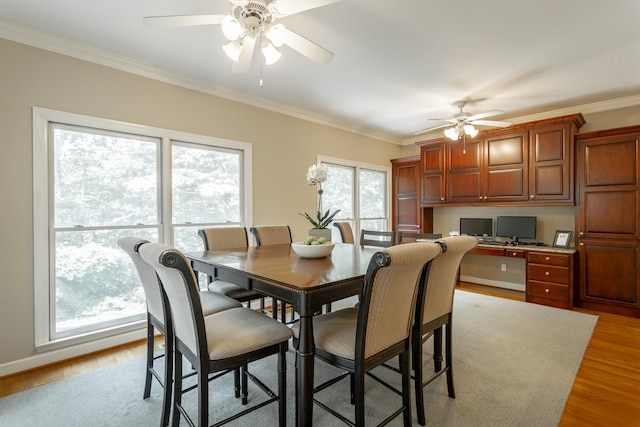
442, 199
532, 196
581, 244
485, 197
582, 233
480, 197
547, 290
547, 258
546, 273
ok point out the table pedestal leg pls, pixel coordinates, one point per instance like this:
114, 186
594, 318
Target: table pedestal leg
304, 372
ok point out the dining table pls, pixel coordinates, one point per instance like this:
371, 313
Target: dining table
307, 284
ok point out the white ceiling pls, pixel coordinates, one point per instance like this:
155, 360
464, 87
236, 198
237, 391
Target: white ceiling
397, 63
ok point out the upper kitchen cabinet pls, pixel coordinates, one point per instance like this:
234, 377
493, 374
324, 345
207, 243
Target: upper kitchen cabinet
525, 163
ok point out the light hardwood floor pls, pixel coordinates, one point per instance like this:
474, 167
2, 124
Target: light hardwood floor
606, 391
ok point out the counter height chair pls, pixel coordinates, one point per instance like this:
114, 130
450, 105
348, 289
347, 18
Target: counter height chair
215, 344
223, 238
358, 339
346, 233
159, 318
434, 310
410, 237
383, 239
274, 235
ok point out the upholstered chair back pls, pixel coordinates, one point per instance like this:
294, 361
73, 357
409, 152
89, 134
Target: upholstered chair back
346, 232
389, 295
271, 234
147, 275
443, 275
223, 238
179, 283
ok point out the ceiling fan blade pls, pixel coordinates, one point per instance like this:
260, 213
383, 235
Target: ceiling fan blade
181, 20
244, 61
491, 123
432, 128
289, 7
485, 114
306, 47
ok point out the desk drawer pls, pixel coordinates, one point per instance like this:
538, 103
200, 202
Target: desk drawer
549, 259
547, 291
548, 273
515, 253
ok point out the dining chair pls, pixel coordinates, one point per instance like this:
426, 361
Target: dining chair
158, 318
274, 235
383, 239
357, 339
409, 237
346, 233
216, 344
224, 238
434, 311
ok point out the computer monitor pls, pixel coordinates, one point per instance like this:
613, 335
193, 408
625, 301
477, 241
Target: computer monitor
516, 227
476, 226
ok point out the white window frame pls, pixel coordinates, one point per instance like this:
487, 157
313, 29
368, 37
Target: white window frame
358, 166
42, 219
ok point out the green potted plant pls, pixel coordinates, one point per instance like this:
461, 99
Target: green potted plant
316, 175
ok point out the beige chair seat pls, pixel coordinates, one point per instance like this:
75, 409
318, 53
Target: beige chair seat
214, 303
240, 330
335, 332
231, 290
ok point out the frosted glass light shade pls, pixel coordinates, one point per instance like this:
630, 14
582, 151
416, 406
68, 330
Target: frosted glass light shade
470, 130
231, 28
232, 49
452, 133
271, 54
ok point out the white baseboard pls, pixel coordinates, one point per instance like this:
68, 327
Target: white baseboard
494, 283
69, 352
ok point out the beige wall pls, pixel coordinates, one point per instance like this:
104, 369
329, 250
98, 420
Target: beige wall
283, 148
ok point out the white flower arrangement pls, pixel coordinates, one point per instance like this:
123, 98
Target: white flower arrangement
316, 175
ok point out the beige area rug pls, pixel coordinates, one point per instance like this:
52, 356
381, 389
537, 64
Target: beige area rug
514, 365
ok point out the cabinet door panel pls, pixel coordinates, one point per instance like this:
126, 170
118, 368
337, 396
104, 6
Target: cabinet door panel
505, 183
610, 212
549, 181
464, 187
506, 151
432, 184
464, 156
609, 271
610, 164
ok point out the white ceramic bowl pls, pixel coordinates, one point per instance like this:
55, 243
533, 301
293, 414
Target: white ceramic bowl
312, 251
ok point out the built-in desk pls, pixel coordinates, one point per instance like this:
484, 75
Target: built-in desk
549, 271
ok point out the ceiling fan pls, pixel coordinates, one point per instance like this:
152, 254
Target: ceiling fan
251, 22
463, 123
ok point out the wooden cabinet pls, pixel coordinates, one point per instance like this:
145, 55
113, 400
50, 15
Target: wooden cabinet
525, 163
407, 214
550, 279
551, 161
432, 169
608, 220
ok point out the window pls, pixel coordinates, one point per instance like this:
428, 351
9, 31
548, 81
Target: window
360, 191
96, 181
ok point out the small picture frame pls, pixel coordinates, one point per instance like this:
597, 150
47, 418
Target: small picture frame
562, 239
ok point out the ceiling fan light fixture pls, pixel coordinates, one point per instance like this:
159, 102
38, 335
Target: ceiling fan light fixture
231, 28
452, 133
470, 130
271, 54
233, 50
275, 34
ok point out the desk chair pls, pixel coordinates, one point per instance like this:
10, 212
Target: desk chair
223, 238
346, 233
358, 339
215, 344
410, 237
384, 239
274, 235
434, 310
156, 309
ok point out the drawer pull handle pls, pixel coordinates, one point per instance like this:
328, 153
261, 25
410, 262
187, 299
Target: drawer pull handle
547, 258
547, 290
546, 273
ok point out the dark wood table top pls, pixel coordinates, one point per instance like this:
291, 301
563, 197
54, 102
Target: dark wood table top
279, 264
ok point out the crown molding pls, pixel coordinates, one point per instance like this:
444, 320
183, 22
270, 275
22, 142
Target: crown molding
42, 40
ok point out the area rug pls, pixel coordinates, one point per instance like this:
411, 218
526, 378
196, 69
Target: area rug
514, 365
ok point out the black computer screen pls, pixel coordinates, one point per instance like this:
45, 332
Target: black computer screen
520, 227
476, 226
